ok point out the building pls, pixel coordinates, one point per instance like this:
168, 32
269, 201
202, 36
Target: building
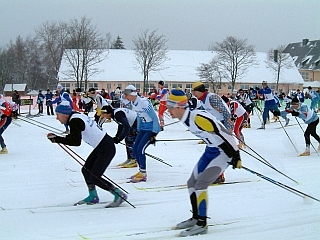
9, 88
120, 69
306, 56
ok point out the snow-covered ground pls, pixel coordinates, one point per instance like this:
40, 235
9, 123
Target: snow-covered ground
39, 182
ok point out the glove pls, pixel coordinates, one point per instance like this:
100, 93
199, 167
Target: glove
294, 113
234, 117
236, 160
51, 137
116, 140
288, 110
153, 139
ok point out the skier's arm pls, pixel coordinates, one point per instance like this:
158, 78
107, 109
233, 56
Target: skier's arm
124, 126
74, 138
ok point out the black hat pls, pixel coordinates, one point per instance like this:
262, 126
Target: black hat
161, 83
295, 100
92, 90
48, 90
309, 87
78, 89
225, 99
107, 109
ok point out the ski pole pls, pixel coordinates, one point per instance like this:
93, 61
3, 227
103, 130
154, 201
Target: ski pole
149, 155
64, 147
171, 123
27, 121
175, 140
270, 166
70, 150
30, 119
288, 136
14, 123
262, 158
290, 189
303, 132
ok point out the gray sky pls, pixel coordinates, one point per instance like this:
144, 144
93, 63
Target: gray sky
187, 24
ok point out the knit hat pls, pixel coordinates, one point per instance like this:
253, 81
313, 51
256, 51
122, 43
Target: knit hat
198, 86
107, 109
295, 100
177, 98
225, 99
59, 87
130, 90
64, 108
161, 83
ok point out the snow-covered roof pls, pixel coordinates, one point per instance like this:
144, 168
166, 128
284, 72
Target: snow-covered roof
12, 87
121, 65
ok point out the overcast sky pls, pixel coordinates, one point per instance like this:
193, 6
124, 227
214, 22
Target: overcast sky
187, 24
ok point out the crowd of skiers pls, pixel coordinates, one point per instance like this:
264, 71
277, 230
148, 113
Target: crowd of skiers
217, 120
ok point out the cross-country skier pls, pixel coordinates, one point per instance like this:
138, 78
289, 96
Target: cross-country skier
148, 128
127, 130
309, 116
5, 120
83, 127
212, 103
221, 150
269, 103
162, 97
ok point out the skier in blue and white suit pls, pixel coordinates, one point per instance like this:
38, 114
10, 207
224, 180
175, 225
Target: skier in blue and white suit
269, 103
148, 127
221, 150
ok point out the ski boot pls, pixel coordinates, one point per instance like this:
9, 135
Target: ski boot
119, 197
287, 122
306, 152
186, 224
138, 177
91, 199
4, 151
131, 164
195, 230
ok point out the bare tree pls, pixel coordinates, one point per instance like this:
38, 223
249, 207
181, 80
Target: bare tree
52, 36
85, 49
235, 56
277, 60
211, 72
151, 53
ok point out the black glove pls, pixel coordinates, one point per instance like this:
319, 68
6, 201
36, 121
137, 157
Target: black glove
294, 113
234, 117
236, 160
116, 140
153, 139
51, 137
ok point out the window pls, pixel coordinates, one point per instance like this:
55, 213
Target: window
93, 85
109, 87
229, 86
66, 86
188, 87
244, 86
137, 86
120, 85
175, 85
305, 76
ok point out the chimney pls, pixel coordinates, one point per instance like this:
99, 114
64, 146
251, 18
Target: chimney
305, 41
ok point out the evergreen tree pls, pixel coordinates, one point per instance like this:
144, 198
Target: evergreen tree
117, 44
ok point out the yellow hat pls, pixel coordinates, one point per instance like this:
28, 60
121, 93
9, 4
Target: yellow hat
198, 86
177, 98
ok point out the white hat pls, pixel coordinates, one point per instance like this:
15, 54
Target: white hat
130, 90
59, 87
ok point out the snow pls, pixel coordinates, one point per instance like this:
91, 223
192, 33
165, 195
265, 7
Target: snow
121, 65
39, 182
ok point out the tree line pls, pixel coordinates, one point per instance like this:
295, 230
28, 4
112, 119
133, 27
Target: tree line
36, 60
